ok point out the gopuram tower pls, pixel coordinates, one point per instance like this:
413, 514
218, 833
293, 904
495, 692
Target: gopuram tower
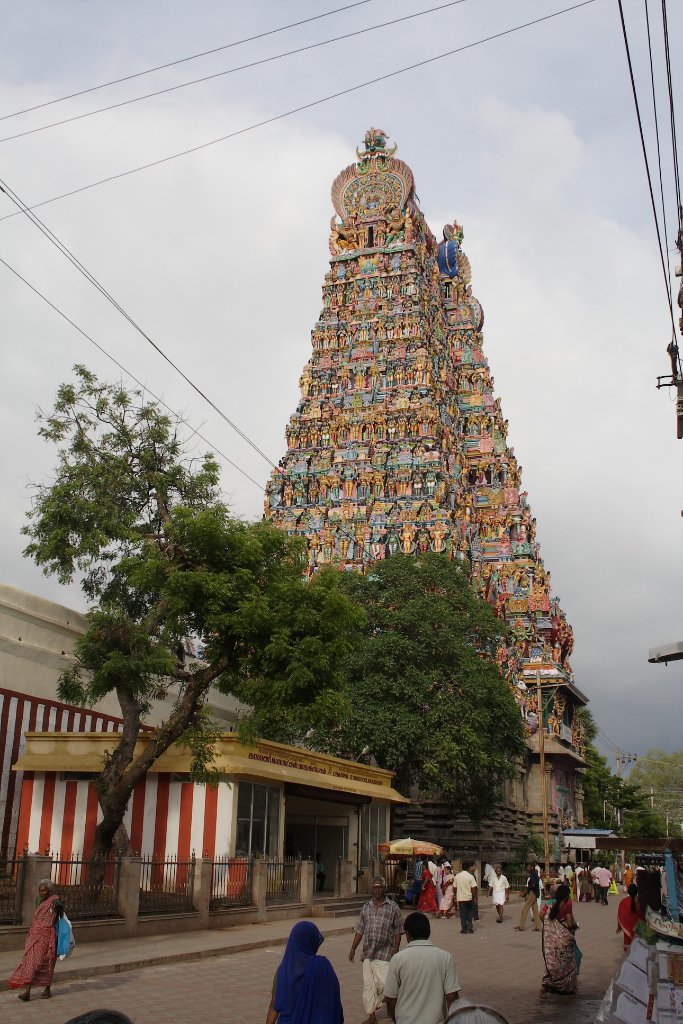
399, 445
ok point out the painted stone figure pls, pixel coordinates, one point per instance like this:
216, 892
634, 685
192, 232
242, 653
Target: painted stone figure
398, 398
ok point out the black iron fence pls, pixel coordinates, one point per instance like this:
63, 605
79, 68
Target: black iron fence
231, 883
166, 886
11, 886
88, 888
284, 881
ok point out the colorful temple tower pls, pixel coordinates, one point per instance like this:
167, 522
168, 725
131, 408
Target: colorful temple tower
399, 445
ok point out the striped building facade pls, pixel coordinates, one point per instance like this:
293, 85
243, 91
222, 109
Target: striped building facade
272, 800
21, 713
164, 818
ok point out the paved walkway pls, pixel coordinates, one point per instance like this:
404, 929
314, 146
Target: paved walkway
497, 965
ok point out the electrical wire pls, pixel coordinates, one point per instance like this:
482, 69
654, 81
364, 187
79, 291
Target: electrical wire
674, 144
302, 107
128, 373
659, 153
184, 60
647, 170
178, 417
231, 71
54, 240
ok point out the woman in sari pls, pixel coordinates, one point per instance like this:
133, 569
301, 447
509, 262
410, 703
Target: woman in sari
447, 891
628, 915
427, 901
305, 988
586, 887
559, 946
40, 949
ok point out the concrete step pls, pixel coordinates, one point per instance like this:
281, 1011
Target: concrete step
343, 906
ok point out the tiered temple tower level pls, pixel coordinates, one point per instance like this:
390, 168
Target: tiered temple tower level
398, 442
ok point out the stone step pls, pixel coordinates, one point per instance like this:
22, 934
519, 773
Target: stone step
344, 906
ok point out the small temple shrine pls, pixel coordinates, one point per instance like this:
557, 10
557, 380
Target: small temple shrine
399, 444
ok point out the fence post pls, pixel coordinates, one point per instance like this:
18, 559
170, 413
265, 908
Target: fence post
201, 893
36, 868
259, 888
307, 882
128, 896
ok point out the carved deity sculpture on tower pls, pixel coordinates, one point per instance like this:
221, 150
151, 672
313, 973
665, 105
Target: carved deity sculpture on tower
398, 443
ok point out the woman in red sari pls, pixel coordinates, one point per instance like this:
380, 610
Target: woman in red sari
40, 949
427, 901
628, 915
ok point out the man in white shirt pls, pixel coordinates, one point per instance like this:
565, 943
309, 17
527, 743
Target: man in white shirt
465, 885
422, 981
499, 891
604, 877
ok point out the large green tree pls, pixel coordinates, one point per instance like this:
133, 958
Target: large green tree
422, 695
660, 776
612, 802
140, 521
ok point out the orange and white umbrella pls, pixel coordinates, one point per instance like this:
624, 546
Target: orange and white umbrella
410, 848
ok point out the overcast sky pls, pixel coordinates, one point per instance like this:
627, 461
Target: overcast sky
529, 141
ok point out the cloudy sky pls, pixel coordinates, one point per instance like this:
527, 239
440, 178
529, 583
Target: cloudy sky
529, 140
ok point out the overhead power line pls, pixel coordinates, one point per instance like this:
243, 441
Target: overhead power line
661, 245
75, 262
231, 71
184, 60
128, 373
674, 143
659, 151
304, 106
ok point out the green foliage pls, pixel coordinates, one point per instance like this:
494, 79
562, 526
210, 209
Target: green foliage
608, 798
660, 777
530, 849
161, 559
418, 692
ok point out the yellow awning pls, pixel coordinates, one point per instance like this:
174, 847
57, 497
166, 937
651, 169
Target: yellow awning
84, 752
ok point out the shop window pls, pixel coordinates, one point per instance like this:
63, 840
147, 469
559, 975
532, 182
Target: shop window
258, 820
373, 831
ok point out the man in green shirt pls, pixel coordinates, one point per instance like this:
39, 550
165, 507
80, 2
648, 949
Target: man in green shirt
422, 981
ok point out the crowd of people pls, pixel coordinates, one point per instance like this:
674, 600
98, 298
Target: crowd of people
418, 984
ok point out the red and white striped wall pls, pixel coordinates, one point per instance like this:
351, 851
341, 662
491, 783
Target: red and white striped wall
164, 818
21, 713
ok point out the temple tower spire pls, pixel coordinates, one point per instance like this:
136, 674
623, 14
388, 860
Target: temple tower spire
398, 443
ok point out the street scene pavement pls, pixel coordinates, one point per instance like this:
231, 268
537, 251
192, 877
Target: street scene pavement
496, 965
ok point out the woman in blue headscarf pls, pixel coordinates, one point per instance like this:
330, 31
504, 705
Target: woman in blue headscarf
306, 989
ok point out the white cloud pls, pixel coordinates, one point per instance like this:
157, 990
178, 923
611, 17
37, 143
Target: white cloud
221, 256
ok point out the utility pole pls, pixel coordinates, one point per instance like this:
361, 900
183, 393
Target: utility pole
544, 781
674, 379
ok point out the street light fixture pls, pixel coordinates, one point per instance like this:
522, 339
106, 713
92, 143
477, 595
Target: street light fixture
665, 653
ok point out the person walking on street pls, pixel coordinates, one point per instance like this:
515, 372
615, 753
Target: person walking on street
37, 966
533, 894
422, 980
499, 891
596, 883
466, 897
305, 988
380, 927
604, 877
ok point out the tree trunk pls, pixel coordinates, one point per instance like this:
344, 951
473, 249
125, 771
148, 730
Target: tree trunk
124, 770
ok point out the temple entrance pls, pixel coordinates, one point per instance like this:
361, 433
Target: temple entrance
315, 826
